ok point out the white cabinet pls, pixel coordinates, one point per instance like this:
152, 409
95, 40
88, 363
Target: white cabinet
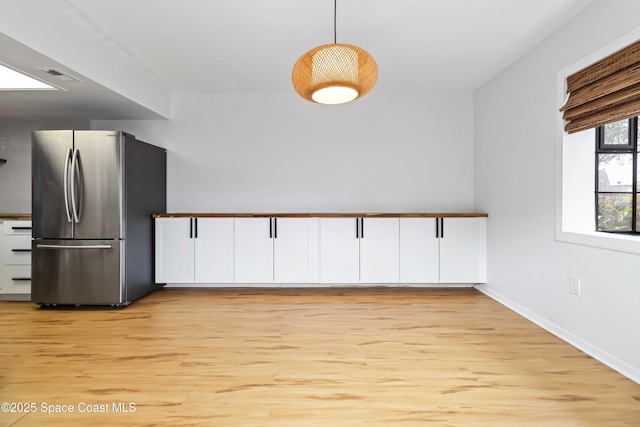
253, 253
296, 257
419, 251
359, 250
276, 250
339, 250
194, 250
213, 254
15, 258
379, 250
320, 250
463, 250
443, 250
174, 250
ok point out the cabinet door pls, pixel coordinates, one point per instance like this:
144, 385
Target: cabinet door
380, 250
419, 251
16, 279
463, 250
17, 228
296, 250
1, 270
214, 250
16, 250
16, 236
174, 250
339, 251
15, 258
253, 250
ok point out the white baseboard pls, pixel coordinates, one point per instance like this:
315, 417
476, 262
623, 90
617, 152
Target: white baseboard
318, 285
602, 356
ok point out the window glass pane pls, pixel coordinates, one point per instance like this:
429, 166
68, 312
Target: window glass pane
614, 212
615, 172
617, 133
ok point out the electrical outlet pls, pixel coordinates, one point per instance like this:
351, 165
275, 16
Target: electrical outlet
574, 285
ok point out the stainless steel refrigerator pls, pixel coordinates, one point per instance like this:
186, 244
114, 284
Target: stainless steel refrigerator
93, 194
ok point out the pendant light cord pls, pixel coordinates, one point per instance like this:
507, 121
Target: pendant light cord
335, 6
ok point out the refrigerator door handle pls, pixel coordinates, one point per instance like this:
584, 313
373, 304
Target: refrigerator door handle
75, 173
67, 160
43, 246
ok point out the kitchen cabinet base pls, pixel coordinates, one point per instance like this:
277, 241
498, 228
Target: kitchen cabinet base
15, 297
317, 285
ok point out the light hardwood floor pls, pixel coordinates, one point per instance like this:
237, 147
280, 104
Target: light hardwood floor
306, 357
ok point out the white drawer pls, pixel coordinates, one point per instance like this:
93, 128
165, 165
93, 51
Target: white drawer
16, 250
10, 228
16, 279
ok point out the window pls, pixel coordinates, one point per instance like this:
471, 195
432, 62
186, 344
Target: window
576, 169
617, 190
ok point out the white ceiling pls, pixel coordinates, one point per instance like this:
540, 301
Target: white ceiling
251, 45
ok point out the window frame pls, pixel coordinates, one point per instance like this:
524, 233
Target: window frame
630, 148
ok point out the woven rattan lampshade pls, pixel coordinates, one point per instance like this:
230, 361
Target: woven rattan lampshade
334, 74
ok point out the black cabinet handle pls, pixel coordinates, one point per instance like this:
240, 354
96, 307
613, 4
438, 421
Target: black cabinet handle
275, 228
437, 228
271, 228
191, 228
196, 227
21, 279
20, 250
21, 228
359, 228
442, 228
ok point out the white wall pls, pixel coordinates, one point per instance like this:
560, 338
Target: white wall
274, 152
15, 147
515, 173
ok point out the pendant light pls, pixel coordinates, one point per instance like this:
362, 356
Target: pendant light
334, 73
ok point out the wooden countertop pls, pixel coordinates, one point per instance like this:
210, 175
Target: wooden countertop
321, 215
15, 216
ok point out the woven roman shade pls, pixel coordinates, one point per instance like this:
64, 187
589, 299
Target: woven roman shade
605, 92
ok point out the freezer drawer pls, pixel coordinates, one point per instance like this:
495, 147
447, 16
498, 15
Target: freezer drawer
81, 272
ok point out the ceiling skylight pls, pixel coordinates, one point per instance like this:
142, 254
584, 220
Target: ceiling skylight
14, 80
